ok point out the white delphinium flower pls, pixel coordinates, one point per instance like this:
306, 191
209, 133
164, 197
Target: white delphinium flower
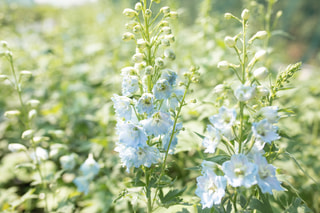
210, 188
245, 93
39, 155
239, 171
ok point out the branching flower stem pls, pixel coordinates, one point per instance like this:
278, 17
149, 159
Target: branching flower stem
27, 125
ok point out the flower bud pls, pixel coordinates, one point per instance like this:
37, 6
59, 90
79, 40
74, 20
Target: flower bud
165, 42
228, 16
148, 13
3, 77
164, 23
12, 114
149, 70
279, 14
159, 62
38, 139
259, 35
138, 57
263, 91
223, 65
32, 114
245, 14
168, 53
141, 44
260, 73
229, 41
140, 66
219, 89
260, 55
127, 36
136, 29
170, 38
16, 147
27, 134
165, 10
130, 12
25, 73
173, 14
138, 6
57, 133
4, 44
166, 30
33, 103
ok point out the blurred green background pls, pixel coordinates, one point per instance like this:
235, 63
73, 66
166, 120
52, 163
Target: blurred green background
76, 53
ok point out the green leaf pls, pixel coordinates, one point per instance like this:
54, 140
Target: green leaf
258, 205
243, 201
198, 134
297, 207
195, 168
219, 159
172, 197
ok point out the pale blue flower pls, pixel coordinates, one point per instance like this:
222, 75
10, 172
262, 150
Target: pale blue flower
122, 106
82, 183
135, 157
90, 167
224, 121
68, 162
175, 99
166, 139
162, 89
245, 93
159, 123
267, 180
131, 134
170, 76
265, 132
239, 171
130, 84
270, 113
212, 139
145, 104
210, 188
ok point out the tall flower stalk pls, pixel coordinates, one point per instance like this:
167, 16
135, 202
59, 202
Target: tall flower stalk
244, 131
27, 113
149, 108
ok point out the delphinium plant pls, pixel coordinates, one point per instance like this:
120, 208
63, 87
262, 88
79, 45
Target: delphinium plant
242, 137
31, 143
149, 108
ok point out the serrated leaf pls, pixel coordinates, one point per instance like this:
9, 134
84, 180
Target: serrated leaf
219, 159
172, 197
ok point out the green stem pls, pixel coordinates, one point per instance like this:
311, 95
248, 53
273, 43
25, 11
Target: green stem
27, 125
241, 125
148, 191
171, 138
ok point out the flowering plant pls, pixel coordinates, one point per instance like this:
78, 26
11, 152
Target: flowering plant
149, 108
243, 134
